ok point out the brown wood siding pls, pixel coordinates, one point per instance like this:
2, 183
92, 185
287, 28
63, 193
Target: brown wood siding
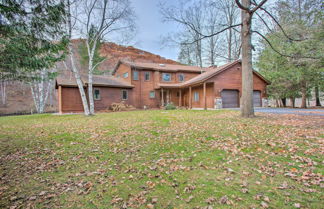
232, 79
71, 99
209, 96
124, 69
112, 95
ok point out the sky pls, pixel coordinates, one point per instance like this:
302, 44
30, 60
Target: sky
151, 28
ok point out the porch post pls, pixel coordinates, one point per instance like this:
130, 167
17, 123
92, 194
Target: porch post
60, 99
162, 100
190, 98
180, 98
205, 104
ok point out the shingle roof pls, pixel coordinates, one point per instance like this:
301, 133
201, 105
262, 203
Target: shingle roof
208, 74
98, 80
161, 67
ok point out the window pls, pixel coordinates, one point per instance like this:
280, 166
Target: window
166, 76
147, 76
196, 96
96, 95
125, 75
135, 75
152, 94
124, 94
181, 77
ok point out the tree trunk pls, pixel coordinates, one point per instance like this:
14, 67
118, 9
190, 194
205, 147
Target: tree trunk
284, 102
317, 97
304, 97
292, 102
3, 85
247, 75
79, 83
90, 94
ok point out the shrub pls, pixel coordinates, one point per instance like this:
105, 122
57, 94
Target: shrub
170, 106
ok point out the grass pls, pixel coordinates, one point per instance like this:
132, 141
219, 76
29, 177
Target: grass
161, 159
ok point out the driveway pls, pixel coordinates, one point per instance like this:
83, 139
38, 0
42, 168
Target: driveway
296, 111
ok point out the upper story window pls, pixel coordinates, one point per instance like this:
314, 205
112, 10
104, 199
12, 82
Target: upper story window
166, 76
135, 75
181, 77
96, 94
125, 75
196, 96
147, 76
124, 94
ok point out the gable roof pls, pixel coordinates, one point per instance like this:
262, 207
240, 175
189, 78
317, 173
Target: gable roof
160, 67
215, 71
98, 80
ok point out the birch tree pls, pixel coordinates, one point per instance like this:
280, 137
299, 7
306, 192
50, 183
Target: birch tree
41, 88
95, 21
102, 19
70, 27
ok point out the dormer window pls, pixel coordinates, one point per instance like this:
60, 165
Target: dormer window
166, 77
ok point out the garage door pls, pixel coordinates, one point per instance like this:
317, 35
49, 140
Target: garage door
230, 98
256, 98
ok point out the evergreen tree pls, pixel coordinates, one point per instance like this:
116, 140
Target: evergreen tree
31, 37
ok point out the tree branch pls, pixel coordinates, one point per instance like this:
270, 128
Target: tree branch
258, 6
278, 52
238, 3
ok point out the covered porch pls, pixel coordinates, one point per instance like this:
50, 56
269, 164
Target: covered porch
195, 96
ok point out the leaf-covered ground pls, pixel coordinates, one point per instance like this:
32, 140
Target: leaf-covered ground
162, 159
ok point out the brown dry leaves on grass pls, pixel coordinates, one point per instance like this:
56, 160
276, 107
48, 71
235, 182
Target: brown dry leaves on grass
163, 159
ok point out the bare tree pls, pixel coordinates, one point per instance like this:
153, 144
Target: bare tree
230, 15
188, 13
102, 19
95, 21
71, 26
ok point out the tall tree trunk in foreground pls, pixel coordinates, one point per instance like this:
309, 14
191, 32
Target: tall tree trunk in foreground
304, 96
79, 83
3, 85
247, 74
317, 98
292, 102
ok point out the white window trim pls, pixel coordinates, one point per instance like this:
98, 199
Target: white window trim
125, 75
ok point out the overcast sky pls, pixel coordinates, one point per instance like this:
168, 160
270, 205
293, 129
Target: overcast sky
151, 28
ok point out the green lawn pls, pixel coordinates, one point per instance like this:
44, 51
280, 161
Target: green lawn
161, 159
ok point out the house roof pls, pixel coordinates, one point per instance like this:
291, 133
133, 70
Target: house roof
160, 67
208, 74
98, 80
